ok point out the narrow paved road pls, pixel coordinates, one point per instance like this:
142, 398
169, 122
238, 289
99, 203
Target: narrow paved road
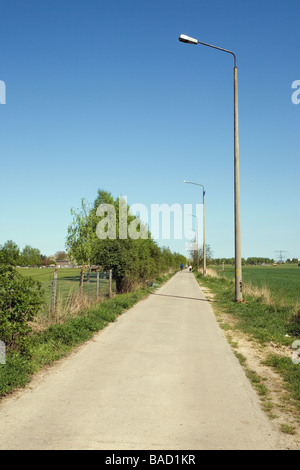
162, 377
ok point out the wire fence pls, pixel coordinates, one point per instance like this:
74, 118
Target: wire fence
73, 289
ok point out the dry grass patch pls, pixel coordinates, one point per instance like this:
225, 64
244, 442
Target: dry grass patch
71, 307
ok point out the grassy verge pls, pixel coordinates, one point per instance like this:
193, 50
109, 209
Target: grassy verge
266, 324
60, 339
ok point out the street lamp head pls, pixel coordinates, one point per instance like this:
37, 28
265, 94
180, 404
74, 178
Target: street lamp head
187, 39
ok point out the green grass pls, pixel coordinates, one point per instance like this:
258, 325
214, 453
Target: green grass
289, 371
282, 280
288, 429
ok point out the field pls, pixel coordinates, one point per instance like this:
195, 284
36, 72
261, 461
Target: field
280, 283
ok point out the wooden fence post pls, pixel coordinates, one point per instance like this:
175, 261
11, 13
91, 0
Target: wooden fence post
53, 297
81, 281
110, 282
97, 288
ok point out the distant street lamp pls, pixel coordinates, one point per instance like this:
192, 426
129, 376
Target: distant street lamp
204, 247
237, 222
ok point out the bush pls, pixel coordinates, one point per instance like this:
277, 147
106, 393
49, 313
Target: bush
20, 300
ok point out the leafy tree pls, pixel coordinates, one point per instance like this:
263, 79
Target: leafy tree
128, 258
96, 236
10, 253
46, 261
61, 255
82, 234
30, 256
197, 256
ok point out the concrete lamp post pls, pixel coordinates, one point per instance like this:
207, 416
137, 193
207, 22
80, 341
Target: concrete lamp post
204, 247
197, 244
237, 222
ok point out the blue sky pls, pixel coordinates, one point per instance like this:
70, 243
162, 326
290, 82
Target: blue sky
103, 95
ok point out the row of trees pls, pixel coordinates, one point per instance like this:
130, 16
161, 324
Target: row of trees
10, 254
133, 259
196, 256
251, 260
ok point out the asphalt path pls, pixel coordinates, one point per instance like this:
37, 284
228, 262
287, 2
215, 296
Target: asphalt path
161, 377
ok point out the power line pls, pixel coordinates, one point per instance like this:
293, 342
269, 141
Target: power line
281, 254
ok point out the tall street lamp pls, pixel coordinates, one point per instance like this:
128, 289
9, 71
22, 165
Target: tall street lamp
237, 222
204, 247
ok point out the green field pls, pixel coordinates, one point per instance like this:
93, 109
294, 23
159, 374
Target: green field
283, 280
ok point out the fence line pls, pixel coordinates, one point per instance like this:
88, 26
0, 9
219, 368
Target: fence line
92, 285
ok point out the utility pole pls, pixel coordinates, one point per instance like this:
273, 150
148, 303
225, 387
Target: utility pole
280, 254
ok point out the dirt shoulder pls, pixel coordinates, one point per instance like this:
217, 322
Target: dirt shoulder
276, 401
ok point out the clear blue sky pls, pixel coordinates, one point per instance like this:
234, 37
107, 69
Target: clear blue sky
101, 94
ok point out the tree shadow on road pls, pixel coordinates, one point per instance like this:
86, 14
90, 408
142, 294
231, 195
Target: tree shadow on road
182, 297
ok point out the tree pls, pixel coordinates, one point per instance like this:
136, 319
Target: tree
82, 234
46, 261
198, 258
127, 257
99, 235
30, 256
61, 255
10, 253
